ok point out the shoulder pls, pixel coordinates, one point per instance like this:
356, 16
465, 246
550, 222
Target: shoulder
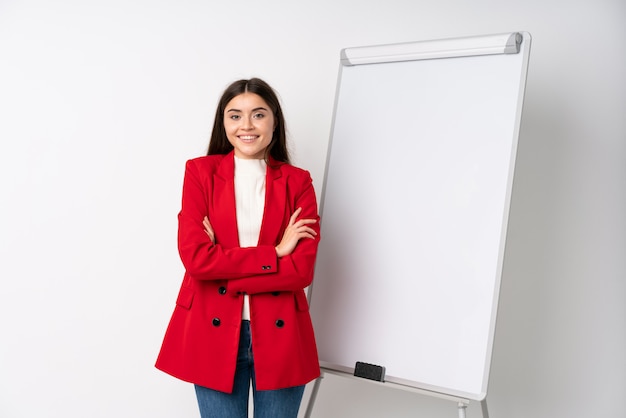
206, 164
206, 161
292, 171
295, 176
297, 180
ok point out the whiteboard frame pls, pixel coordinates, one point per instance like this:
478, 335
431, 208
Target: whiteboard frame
514, 42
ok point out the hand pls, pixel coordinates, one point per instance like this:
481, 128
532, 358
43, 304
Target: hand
208, 229
296, 230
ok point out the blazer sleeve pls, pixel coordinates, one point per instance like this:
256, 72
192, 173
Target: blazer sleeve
203, 259
294, 271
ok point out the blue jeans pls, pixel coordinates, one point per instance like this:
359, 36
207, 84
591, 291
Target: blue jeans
281, 403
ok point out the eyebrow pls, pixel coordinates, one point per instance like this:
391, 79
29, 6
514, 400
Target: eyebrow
254, 110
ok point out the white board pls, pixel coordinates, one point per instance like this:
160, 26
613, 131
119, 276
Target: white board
414, 212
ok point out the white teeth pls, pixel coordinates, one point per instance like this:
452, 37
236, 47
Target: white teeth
245, 138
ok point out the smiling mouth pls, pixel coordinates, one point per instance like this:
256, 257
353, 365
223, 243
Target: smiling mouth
248, 137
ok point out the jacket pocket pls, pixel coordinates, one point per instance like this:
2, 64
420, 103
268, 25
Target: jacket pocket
185, 297
302, 304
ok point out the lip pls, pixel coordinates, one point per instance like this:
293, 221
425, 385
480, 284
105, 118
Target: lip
248, 137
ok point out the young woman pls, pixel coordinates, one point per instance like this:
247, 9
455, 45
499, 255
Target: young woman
248, 236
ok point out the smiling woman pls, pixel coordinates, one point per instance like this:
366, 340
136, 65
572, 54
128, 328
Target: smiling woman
248, 235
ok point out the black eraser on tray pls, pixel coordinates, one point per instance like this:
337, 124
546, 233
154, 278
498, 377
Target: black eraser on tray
369, 371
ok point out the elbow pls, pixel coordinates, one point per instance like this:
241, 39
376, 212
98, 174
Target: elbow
195, 260
305, 272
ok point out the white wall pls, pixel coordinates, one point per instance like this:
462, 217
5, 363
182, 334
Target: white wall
102, 102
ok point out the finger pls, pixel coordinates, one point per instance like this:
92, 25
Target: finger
308, 231
302, 222
293, 218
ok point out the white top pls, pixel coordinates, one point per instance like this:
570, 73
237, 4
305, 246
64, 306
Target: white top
250, 203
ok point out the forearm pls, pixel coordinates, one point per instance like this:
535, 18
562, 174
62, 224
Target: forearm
213, 262
294, 272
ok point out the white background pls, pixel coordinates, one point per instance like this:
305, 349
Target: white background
102, 102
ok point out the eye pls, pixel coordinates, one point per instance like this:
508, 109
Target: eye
234, 117
259, 115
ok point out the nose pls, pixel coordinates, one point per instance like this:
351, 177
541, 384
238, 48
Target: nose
247, 124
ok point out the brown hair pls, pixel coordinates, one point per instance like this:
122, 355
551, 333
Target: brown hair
277, 148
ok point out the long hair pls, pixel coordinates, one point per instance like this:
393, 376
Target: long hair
277, 148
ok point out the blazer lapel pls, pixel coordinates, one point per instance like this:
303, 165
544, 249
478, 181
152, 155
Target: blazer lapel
275, 206
223, 215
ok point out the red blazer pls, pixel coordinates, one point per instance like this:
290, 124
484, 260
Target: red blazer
201, 341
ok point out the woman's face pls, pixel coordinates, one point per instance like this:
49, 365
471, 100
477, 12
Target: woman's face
249, 125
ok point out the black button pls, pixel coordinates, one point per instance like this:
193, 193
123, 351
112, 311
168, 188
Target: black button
216, 322
275, 293
222, 290
280, 323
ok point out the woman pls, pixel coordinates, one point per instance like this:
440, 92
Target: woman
248, 236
